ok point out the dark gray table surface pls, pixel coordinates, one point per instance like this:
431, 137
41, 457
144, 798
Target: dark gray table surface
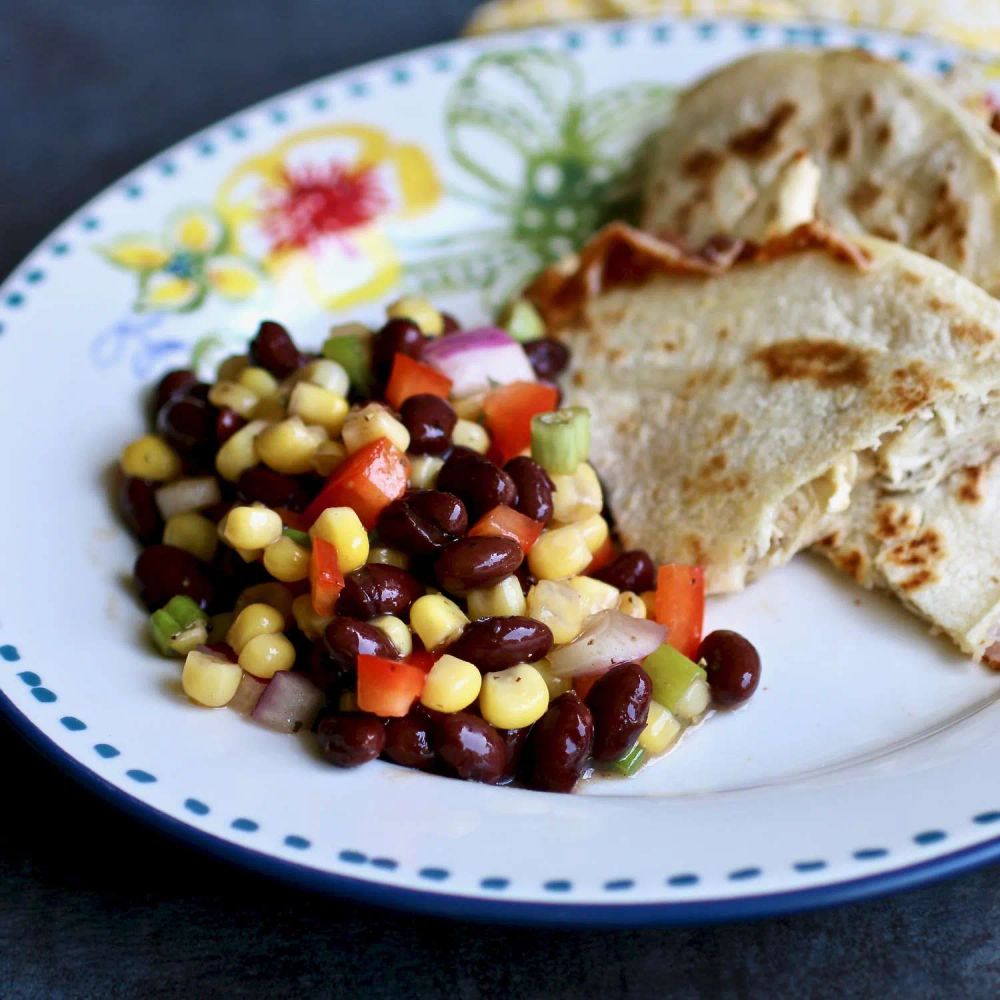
93, 904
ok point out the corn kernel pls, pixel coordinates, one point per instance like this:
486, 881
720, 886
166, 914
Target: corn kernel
150, 457
267, 654
469, 407
258, 380
559, 553
662, 729
277, 595
210, 680
252, 527
556, 685
451, 685
254, 620
424, 471
594, 530
396, 631
192, 532
233, 396
289, 446
270, 409
631, 604
419, 311
577, 496
503, 599
239, 452
369, 424
230, 368
558, 606
514, 698
342, 528
328, 375
383, 555
648, 598
436, 620
596, 595
316, 405
286, 560
310, 624
328, 456
466, 434
694, 701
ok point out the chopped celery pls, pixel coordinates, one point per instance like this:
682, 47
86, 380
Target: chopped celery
672, 673
162, 628
351, 351
522, 321
630, 762
556, 440
189, 637
299, 537
184, 611
179, 627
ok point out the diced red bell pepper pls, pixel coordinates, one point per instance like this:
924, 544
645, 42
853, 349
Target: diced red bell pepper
292, 519
424, 659
505, 522
388, 687
680, 605
369, 480
509, 410
410, 377
602, 557
584, 682
325, 579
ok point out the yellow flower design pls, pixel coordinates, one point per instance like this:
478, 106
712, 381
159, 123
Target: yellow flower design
313, 210
180, 267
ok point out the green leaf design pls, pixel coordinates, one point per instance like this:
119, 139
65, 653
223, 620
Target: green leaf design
625, 113
477, 267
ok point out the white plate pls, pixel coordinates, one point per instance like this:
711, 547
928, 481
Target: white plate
866, 759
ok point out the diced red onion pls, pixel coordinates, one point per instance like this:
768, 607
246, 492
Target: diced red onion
185, 495
608, 638
247, 694
992, 656
475, 360
289, 703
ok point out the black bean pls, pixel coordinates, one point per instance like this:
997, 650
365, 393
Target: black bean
477, 561
378, 589
548, 357
349, 739
502, 642
137, 502
619, 703
534, 488
451, 325
560, 745
525, 578
272, 348
515, 741
187, 423
165, 571
733, 666
227, 423
274, 489
430, 421
348, 638
480, 483
409, 741
633, 570
423, 522
328, 673
398, 336
470, 748
175, 383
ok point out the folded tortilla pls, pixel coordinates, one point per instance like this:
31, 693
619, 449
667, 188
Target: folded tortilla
735, 390
937, 551
898, 156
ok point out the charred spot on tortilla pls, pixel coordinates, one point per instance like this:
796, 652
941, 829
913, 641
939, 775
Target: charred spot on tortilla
912, 278
921, 552
975, 333
893, 521
841, 143
702, 163
883, 134
864, 195
826, 362
759, 141
970, 484
911, 387
867, 103
917, 580
852, 562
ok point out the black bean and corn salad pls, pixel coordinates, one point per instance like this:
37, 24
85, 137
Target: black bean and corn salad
400, 545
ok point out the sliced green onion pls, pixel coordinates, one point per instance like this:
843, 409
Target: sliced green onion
351, 352
179, 627
556, 440
184, 611
162, 628
630, 762
190, 637
522, 321
672, 674
299, 537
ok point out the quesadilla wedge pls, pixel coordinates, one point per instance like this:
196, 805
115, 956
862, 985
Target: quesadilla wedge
937, 551
737, 388
898, 156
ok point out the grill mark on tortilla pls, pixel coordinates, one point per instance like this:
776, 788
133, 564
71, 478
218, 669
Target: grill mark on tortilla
702, 163
827, 363
919, 552
852, 562
917, 580
760, 140
893, 521
970, 484
910, 388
